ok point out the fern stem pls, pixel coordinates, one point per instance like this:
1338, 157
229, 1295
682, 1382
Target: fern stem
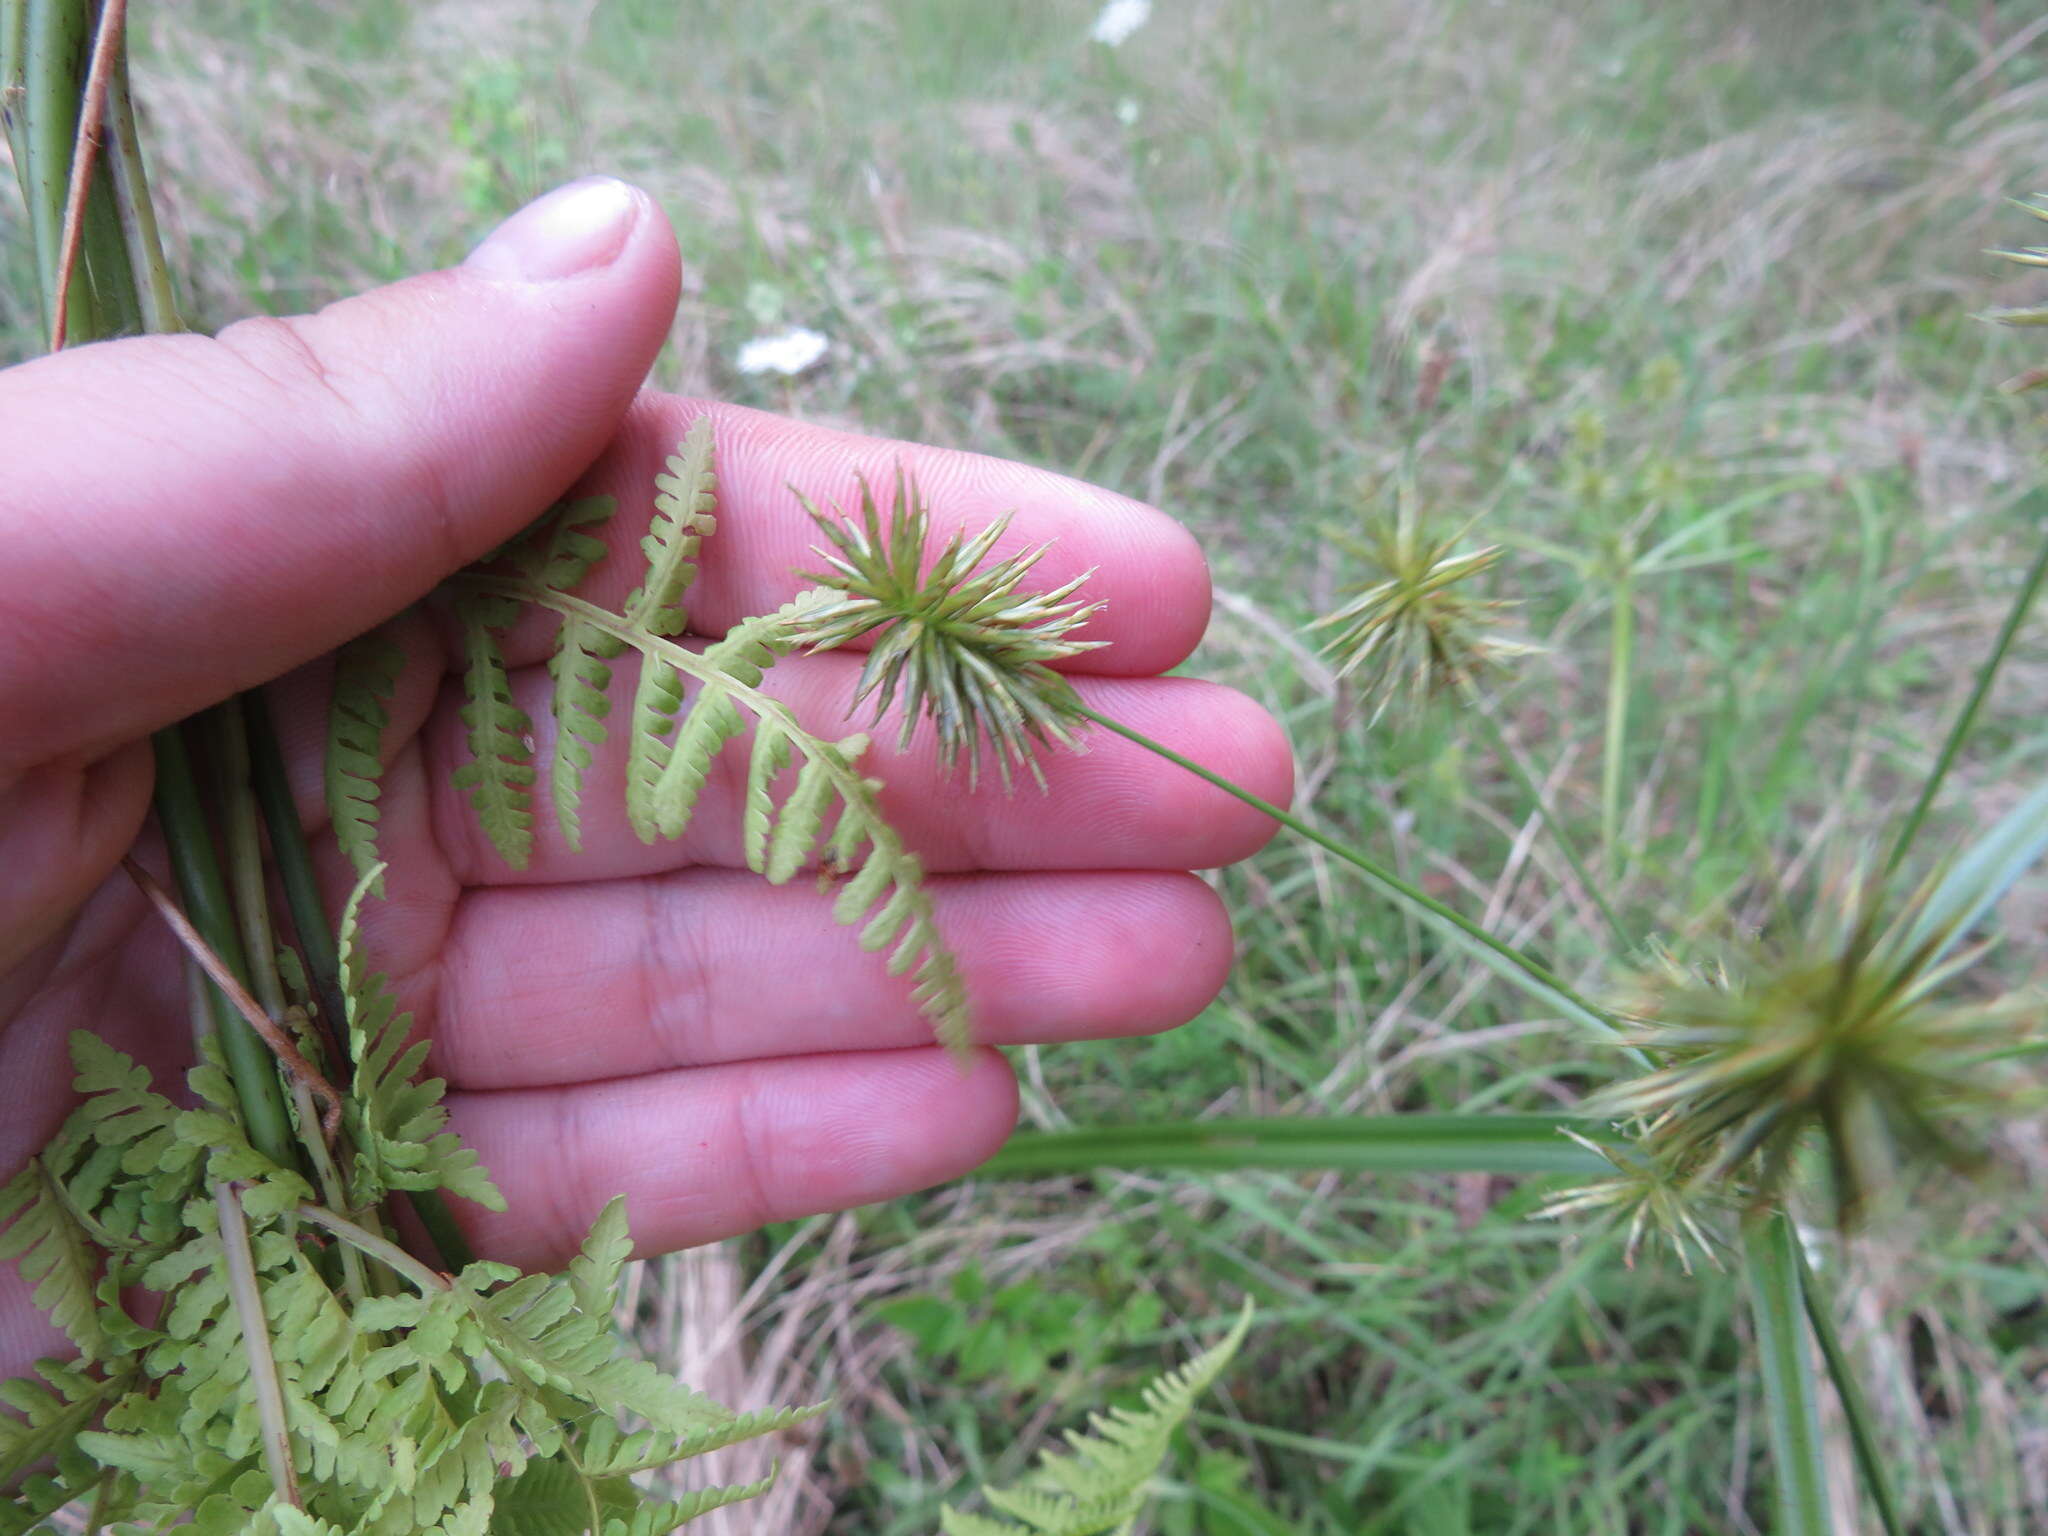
1513, 963
382, 1249
263, 1381
205, 897
1987, 671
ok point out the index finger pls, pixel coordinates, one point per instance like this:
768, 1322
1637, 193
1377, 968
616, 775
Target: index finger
1149, 573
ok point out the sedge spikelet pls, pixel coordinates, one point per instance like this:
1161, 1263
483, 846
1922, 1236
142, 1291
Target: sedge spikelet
958, 643
1850, 1033
1414, 630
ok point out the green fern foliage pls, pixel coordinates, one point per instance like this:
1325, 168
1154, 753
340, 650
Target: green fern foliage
805, 801
55, 1254
685, 498
365, 678
395, 1117
1098, 1486
499, 775
409, 1401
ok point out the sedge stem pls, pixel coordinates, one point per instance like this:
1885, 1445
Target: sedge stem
205, 898
1517, 966
292, 857
1855, 1407
2015, 616
1526, 777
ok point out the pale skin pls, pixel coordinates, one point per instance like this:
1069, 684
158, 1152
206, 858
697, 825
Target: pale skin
184, 518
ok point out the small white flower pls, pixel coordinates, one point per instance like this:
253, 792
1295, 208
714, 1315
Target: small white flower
787, 352
1127, 111
1119, 19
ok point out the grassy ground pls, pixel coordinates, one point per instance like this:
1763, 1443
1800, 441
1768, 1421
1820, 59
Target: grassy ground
1675, 300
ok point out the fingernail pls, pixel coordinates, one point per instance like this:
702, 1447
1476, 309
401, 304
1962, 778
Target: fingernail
573, 229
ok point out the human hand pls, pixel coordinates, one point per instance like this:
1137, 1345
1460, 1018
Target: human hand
184, 518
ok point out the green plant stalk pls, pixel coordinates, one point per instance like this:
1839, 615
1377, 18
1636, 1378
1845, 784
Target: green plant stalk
1620, 674
382, 1249
264, 1385
1504, 958
1403, 1143
134, 212
48, 54
1849, 1391
204, 894
292, 858
1558, 835
1987, 672
244, 839
1771, 1263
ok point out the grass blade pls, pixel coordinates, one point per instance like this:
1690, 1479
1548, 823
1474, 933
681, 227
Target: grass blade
1771, 1262
1849, 1391
1985, 872
1509, 1144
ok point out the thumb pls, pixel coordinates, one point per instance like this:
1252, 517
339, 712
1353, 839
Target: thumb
183, 517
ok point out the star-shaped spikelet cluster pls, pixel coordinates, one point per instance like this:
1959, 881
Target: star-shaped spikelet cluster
958, 643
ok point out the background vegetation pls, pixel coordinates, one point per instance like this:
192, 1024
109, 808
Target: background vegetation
1677, 301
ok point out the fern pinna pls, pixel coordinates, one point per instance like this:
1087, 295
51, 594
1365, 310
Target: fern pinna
306, 1376
687, 706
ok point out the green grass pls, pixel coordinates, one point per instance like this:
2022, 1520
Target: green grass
1704, 277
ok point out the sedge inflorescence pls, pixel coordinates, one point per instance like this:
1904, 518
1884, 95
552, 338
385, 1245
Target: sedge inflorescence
1416, 629
957, 643
1853, 1033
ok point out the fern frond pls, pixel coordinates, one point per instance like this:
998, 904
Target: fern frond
535, 1330
594, 1272
714, 717
499, 775
661, 1519
1098, 1484
365, 678
711, 722
607, 1449
683, 505
54, 1253
397, 1123
54, 1405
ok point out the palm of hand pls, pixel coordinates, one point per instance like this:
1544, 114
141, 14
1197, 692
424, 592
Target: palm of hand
654, 1020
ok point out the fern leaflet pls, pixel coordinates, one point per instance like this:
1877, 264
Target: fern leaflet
499, 775
683, 505
55, 1254
395, 1118
365, 678
1098, 1485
